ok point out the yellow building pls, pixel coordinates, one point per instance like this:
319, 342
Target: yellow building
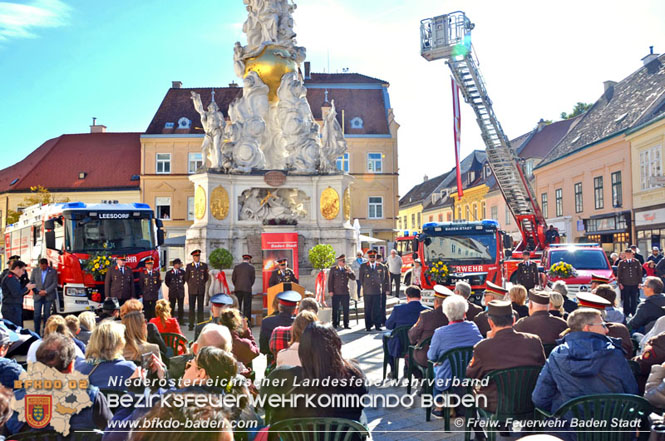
471, 206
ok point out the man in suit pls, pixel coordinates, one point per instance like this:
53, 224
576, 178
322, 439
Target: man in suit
539, 321
119, 282
629, 277
428, 322
175, 280
492, 292
218, 303
464, 289
503, 348
338, 288
149, 282
45, 280
288, 302
527, 273
282, 274
243, 278
374, 277
196, 277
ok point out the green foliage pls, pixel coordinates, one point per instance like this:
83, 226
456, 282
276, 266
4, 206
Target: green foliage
579, 109
322, 256
220, 259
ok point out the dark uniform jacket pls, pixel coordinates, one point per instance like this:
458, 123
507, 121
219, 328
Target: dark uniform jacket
473, 311
403, 315
119, 284
196, 278
617, 330
527, 274
175, 280
200, 326
12, 291
150, 284
374, 281
629, 273
507, 349
428, 322
243, 277
278, 277
542, 324
338, 280
483, 325
24, 279
268, 325
654, 353
648, 311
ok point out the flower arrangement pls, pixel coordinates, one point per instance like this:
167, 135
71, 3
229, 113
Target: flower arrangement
438, 271
98, 265
562, 270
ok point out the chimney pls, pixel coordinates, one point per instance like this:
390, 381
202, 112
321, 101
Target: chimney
607, 85
233, 84
649, 58
308, 75
425, 178
176, 84
95, 128
541, 124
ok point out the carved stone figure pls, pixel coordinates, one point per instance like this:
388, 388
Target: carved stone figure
263, 204
333, 142
213, 125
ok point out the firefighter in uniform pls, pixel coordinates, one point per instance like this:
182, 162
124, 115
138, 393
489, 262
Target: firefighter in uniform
282, 274
374, 279
149, 282
597, 280
616, 330
175, 281
24, 279
492, 292
196, 276
218, 303
539, 321
338, 287
527, 273
428, 322
119, 282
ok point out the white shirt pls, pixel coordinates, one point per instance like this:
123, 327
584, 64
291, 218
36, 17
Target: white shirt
395, 264
32, 352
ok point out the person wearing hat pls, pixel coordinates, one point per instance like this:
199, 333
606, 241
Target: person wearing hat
598, 279
119, 282
615, 330
539, 321
464, 289
175, 281
10, 370
457, 333
110, 309
586, 362
428, 322
196, 277
406, 314
288, 302
218, 303
374, 277
13, 292
527, 273
243, 278
282, 274
503, 348
651, 308
629, 277
338, 287
150, 281
492, 292
24, 279
655, 256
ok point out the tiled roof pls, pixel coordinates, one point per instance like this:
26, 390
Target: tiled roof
477, 157
544, 140
109, 159
368, 104
632, 101
421, 191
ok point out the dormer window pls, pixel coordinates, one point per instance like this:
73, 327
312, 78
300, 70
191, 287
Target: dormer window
488, 171
184, 123
356, 123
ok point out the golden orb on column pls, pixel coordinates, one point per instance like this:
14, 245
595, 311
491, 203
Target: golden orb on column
270, 65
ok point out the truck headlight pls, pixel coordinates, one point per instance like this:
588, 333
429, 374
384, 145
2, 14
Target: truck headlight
75, 291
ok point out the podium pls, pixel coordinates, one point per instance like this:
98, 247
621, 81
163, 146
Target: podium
281, 287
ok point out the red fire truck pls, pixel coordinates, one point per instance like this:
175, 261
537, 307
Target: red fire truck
404, 247
68, 234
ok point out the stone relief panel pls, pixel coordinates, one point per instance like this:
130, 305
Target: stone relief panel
273, 206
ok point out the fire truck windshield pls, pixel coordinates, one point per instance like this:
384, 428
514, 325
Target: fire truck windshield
581, 259
118, 232
470, 249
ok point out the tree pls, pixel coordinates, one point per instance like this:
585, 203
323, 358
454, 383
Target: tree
40, 195
579, 109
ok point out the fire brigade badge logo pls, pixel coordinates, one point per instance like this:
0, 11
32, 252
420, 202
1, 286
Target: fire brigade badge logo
38, 410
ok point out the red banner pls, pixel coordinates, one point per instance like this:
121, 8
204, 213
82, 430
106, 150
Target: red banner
222, 279
278, 246
320, 288
457, 129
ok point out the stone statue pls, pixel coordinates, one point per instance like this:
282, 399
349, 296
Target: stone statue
263, 204
251, 206
333, 142
213, 125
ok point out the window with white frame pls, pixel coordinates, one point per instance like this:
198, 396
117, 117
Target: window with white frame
375, 162
195, 161
190, 208
579, 204
163, 207
650, 166
558, 201
617, 196
375, 207
599, 200
163, 163
543, 204
494, 212
419, 223
508, 216
343, 163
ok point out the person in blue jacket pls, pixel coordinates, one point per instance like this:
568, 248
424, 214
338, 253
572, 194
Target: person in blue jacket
586, 362
403, 315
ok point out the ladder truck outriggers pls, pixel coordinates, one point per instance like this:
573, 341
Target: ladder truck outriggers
449, 37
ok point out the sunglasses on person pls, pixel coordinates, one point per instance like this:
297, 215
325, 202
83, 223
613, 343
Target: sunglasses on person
372, 257
603, 324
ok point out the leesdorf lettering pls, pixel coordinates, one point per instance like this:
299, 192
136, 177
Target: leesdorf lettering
114, 215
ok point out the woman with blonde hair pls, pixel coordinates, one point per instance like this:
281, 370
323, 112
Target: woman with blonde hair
556, 305
131, 305
517, 296
289, 356
153, 334
88, 322
163, 319
103, 357
55, 323
136, 333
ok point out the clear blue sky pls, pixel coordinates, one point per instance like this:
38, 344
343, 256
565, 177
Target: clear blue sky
65, 61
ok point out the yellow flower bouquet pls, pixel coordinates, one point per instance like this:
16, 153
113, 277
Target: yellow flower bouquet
562, 270
98, 265
437, 271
